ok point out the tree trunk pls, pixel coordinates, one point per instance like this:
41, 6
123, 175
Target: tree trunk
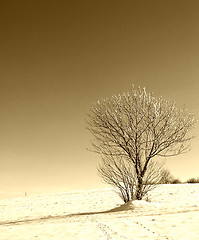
138, 194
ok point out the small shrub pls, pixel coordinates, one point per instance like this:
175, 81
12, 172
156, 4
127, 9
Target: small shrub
193, 180
176, 181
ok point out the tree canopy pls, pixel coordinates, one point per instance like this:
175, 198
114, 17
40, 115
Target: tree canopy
136, 127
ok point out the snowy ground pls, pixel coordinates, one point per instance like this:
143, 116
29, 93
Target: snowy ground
171, 212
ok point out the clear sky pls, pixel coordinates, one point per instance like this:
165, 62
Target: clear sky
57, 57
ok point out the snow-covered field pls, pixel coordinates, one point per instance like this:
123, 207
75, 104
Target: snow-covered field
170, 212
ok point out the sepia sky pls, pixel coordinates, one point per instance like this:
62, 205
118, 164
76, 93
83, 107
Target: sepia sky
57, 57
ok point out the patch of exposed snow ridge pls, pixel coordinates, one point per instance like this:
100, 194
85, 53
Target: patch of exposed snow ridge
135, 204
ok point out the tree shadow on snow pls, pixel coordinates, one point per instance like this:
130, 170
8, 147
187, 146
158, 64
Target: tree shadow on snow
124, 207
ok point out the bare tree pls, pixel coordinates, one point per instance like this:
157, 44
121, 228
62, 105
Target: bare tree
136, 127
166, 177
